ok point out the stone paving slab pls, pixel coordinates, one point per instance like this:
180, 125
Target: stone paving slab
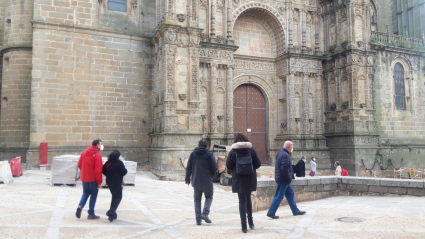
31, 208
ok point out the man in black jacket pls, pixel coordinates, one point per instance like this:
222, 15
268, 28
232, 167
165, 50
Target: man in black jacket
283, 178
300, 167
202, 167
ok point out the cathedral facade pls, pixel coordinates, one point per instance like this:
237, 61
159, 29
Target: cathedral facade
343, 79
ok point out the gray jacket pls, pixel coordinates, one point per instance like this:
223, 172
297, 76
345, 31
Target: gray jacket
313, 166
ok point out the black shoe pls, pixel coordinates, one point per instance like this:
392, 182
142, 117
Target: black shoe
198, 223
250, 223
107, 214
244, 229
273, 216
205, 218
300, 213
111, 219
78, 213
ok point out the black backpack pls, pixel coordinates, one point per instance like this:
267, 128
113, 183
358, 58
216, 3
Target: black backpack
244, 165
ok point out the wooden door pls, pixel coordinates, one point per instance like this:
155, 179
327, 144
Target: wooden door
249, 107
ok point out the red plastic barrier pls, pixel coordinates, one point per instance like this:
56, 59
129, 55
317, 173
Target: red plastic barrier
43, 154
16, 167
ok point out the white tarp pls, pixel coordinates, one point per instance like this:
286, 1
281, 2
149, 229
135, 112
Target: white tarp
64, 169
130, 178
131, 167
5, 172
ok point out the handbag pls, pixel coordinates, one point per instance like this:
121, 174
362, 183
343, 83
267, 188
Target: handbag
311, 173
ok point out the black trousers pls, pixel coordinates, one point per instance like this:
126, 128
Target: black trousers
197, 196
245, 206
116, 191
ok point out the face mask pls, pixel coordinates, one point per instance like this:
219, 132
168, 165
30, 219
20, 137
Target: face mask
334, 165
292, 150
101, 147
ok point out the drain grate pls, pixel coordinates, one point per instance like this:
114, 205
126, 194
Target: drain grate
350, 219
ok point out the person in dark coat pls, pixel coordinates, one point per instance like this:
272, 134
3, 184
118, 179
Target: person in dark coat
201, 167
114, 170
300, 167
283, 178
243, 185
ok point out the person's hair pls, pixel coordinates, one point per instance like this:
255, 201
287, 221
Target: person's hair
203, 143
239, 137
303, 157
114, 156
313, 158
96, 142
287, 144
337, 163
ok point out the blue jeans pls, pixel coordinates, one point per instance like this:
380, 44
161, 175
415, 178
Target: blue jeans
283, 190
89, 189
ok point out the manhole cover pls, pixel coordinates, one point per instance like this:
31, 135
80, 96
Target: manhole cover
350, 219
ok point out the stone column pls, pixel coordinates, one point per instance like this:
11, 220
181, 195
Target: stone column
229, 21
303, 16
290, 78
290, 27
213, 9
305, 106
319, 105
229, 103
316, 35
213, 99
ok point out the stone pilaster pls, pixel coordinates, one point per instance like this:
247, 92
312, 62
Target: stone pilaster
229, 100
213, 99
303, 32
305, 107
291, 103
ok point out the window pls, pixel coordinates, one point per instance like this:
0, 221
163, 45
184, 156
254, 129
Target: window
400, 102
400, 23
117, 5
410, 29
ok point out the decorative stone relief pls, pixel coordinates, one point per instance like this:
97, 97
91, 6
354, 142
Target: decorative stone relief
170, 35
254, 65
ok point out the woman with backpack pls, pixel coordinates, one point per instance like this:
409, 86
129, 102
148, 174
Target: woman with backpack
243, 162
114, 170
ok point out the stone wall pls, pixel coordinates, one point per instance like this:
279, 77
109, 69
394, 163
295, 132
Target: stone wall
312, 188
16, 77
88, 85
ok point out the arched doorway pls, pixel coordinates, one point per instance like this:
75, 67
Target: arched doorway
249, 109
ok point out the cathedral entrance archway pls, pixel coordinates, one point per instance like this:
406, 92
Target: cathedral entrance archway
249, 109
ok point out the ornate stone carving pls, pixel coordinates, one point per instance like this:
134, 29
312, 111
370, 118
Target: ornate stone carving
182, 96
181, 17
182, 38
194, 38
254, 65
134, 4
170, 35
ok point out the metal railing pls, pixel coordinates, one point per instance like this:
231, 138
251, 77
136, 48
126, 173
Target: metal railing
396, 40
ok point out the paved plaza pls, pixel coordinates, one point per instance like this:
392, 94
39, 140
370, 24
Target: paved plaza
30, 208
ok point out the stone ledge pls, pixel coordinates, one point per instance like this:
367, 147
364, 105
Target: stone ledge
408, 183
312, 188
363, 181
